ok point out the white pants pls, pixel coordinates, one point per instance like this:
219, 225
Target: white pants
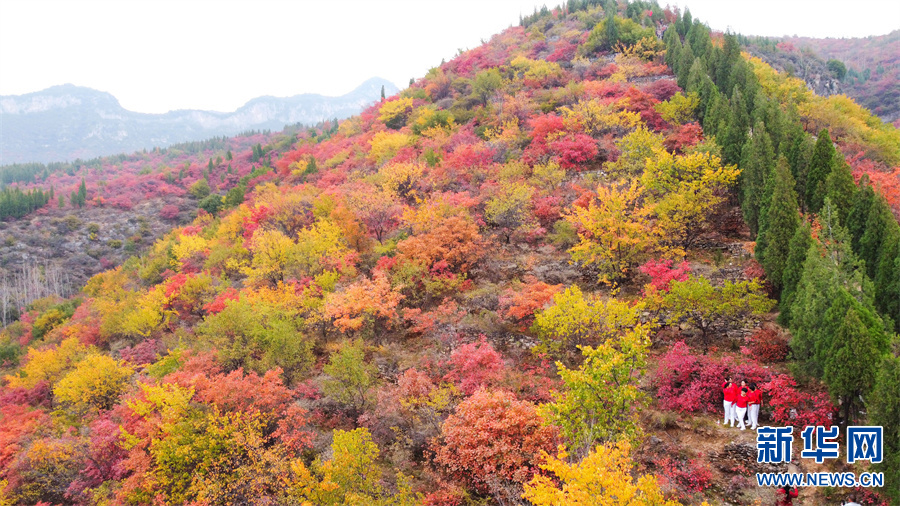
729, 411
753, 415
740, 413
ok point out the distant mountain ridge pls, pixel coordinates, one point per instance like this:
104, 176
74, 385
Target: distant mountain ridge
67, 122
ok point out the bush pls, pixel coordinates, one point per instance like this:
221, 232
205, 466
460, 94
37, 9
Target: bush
168, 212
768, 346
114, 243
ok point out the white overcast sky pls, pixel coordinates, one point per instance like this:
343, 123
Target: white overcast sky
160, 55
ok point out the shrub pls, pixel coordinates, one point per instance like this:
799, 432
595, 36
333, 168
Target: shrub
768, 346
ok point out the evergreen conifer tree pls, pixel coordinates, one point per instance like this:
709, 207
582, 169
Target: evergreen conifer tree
793, 270
819, 168
851, 364
778, 225
841, 188
757, 161
884, 406
859, 211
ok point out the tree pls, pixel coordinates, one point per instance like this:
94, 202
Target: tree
603, 478
600, 400
698, 302
778, 225
793, 270
683, 191
350, 375
485, 83
370, 304
93, 385
511, 209
493, 442
851, 365
820, 166
614, 231
841, 188
576, 319
884, 406
757, 162
837, 68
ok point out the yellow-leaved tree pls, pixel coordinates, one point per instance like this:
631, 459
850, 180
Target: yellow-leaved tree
615, 232
603, 478
93, 385
683, 191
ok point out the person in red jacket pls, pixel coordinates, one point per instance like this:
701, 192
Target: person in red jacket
728, 403
741, 407
786, 496
755, 402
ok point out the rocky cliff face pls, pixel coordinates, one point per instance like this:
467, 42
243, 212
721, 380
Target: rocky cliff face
803, 65
68, 122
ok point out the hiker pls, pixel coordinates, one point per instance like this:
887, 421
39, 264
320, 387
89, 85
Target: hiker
786, 496
728, 403
754, 402
741, 407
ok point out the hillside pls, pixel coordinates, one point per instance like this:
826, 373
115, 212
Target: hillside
522, 280
65, 123
865, 69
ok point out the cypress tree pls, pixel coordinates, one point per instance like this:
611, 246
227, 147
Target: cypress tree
793, 270
735, 133
799, 147
884, 406
851, 367
673, 47
685, 61
778, 225
859, 211
757, 160
731, 53
819, 168
887, 279
879, 224
841, 188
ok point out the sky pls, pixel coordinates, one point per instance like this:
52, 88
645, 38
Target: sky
160, 55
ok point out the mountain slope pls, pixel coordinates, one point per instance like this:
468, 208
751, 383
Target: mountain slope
69, 122
565, 236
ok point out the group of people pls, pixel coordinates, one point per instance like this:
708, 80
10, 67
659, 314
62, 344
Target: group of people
741, 400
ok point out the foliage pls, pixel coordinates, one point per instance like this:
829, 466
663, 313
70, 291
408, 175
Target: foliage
94, 384
599, 401
706, 307
474, 366
604, 477
614, 231
493, 441
350, 376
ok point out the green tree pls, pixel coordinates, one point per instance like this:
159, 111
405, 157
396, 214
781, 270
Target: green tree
884, 406
879, 224
852, 364
837, 68
485, 84
706, 307
859, 211
820, 166
757, 162
793, 270
350, 376
841, 188
599, 400
778, 225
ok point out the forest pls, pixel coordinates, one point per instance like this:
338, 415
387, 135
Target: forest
520, 281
